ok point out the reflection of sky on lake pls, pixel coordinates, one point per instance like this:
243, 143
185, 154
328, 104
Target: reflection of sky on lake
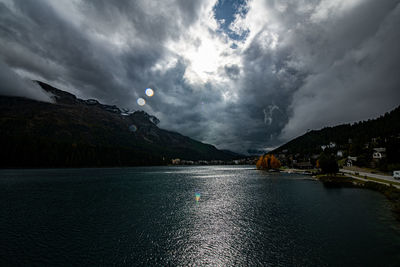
215, 225
148, 216
221, 224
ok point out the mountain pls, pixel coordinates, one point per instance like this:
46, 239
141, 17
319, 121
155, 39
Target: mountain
356, 139
83, 133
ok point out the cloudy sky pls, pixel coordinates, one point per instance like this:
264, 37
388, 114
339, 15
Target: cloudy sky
237, 74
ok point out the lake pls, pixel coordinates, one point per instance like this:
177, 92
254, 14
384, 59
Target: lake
149, 216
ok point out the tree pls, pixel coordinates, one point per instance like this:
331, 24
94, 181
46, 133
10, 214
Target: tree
266, 162
275, 163
263, 162
328, 164
259, 162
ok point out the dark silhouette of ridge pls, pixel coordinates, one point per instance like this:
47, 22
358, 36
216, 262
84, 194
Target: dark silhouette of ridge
85, 133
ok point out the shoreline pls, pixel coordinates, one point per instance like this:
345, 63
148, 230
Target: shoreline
390, 192
298, 171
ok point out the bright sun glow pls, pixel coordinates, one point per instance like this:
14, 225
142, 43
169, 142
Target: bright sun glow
204, 60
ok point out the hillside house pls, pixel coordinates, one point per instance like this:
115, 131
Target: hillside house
330, 145
379, 153
350, 161
303, 165
281, 156
314, 156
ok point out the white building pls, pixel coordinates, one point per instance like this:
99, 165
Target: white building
330, 145
379, 153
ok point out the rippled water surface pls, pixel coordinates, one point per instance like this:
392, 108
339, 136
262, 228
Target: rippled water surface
149, 216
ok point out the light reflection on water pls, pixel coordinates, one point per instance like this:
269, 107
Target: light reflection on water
216, 224
149, 216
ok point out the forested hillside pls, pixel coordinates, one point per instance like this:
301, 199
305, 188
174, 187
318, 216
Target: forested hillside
82, 133
358, 139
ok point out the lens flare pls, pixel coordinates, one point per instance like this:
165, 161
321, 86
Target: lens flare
141, 101
149, 92
133, 128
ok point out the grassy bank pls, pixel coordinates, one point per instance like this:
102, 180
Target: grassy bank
377, 179
391, 192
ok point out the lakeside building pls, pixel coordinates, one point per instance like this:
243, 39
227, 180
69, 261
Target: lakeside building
303, 165
176, 161
350, 161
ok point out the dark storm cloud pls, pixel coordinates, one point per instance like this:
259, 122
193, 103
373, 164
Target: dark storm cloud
265, 93
305, 63
44, 35
150, 21
351, 70
13, 85
232, 71
39, 40
327, 68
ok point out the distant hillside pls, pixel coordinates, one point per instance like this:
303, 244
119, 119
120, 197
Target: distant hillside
77, 133
357, 139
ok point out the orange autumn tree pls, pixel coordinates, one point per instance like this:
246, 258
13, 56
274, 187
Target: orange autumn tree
267, 162
262, 162
275, 163
259, 162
